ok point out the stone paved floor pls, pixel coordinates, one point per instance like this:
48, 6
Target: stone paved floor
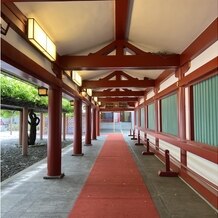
27, 195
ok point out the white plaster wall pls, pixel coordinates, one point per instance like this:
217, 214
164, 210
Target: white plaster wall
168, 83
142, 135
151, 139
174, 151
203, 167
19, 43
204, 57
141, 100
150, 94
187, 114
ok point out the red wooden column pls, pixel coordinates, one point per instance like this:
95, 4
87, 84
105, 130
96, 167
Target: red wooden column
64, 126
98, 122
54, 134
25, 132
157, 111
88, 126
94, 123
77, 141
182, 121
20, 127
41, 125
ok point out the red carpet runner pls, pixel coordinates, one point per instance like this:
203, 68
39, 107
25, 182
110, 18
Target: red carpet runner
114, 188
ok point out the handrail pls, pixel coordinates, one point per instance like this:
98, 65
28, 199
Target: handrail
202, 150
178, 163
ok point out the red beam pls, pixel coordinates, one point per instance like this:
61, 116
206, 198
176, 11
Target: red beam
163, 76
121, 17
206, 39
119, 93
12, 15
207, 70
114, 83
116, 109
106, 50
49, 0
10, 55
146, 61
117, 99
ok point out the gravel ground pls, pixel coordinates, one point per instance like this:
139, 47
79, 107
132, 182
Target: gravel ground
13, 162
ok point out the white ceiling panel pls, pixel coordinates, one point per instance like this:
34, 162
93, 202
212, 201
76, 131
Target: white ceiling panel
74, 26
170, 25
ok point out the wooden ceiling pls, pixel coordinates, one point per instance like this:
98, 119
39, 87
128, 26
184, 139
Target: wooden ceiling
135, 41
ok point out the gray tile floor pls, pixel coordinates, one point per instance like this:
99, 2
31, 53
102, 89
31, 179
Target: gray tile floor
27, 195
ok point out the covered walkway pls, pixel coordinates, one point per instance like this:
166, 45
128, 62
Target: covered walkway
28, 195
152, 63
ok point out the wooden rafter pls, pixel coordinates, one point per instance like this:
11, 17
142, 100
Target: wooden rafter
106, 50
147, 61
116, 109
121, 17
118, 82
125, 99
113, 83
118, 92
12, 15
118, 75
48, 0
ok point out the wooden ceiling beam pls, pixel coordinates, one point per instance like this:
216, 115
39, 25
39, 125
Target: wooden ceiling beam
121, 83
121, 18
146, 61
106, 50
125, 99
14, 17
48, 0
116, 109
118, 93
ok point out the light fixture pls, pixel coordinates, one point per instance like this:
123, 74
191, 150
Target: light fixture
83, 93
69, 73
72, 103
89, 92
76, 78
99, 103
42, 91
41, 40
4, 27
95, 99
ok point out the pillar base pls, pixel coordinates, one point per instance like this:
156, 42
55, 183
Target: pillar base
87, 144
167, 174
147, 153
77, 154
54, 177
139, 144
133, 138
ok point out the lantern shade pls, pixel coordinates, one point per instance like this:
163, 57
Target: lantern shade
89, 92
95, 99
42, 91
83, 93
72, 103
40, 39
77, 78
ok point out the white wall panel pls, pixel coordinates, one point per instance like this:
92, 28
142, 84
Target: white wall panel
204, 57
150, 94
168, 83
203, 167
174, 151
151, 138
